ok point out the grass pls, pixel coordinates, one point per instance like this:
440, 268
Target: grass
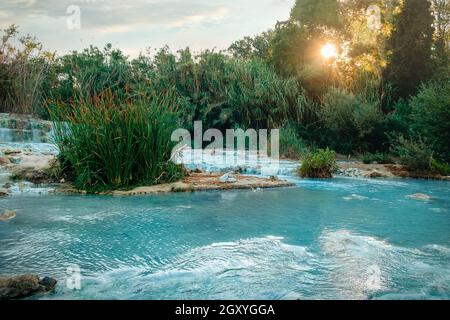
380, 158
319, 164
109, 146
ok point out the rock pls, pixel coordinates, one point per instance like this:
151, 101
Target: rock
228, 178
4, 161
7, 185
420, 196
24, 286
3, 192
48, 283
7, 215
374, 174
32, 175
15, 160
9, 152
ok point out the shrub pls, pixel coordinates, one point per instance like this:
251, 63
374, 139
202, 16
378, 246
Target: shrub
291, 145
431, 116
108, 146
414, 153
319, 164
440, 167
349, 123
25, 72
381, 158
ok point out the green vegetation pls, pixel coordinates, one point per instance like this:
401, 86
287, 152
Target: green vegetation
414, 153
291, 145
380, 158
108, 146
431, 116
318, 164
378, 86
410, 47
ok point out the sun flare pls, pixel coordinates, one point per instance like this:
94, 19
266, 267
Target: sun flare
329, 51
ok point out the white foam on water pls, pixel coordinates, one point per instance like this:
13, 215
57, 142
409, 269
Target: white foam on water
349, 266
355, 197
254, 268
363, 266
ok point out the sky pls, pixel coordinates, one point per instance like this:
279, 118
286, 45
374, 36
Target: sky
135, 25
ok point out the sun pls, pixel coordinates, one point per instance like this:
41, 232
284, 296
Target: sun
329, 51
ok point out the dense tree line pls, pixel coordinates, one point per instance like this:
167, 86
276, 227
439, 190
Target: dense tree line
385, 88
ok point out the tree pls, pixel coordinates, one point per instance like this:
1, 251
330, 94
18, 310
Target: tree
250, 48
317, 13
441, 11
410, 49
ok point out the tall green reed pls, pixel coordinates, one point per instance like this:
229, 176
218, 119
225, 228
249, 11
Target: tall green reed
109, 144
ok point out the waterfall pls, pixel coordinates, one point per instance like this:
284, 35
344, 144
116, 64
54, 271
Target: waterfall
24, 129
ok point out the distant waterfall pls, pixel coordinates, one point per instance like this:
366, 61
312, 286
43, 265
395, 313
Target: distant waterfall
24, 129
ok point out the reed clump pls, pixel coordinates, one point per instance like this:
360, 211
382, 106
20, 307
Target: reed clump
106, 144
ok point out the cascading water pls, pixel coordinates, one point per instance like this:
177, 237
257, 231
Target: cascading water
24, 129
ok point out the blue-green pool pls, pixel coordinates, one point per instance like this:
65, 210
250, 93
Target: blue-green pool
341, 239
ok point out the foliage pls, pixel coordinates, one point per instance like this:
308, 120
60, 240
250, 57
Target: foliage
24, 73
292, 146
352, 103
319, 164
108, 146
381, 158
440, 167
414, 153
250, 48
259, 98
431, 117
410, 46
317, 13
350, 123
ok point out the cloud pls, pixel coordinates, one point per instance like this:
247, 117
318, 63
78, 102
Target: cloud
121, 16
135, 24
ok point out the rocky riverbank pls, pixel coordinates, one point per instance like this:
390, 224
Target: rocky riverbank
356, 169
25, 286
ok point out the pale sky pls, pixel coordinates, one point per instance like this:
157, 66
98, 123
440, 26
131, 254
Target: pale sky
135, 25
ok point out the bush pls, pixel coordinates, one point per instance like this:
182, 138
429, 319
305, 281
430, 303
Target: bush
319, 164
431, 117
381, 158
414, 153
350, 124
440, 167
108, 146
291, 145
25, 74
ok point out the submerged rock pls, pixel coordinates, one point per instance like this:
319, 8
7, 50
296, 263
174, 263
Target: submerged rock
229, 177
4, 161
375, 174
420, 196
24, 286
48, 283
7, 215
3, 192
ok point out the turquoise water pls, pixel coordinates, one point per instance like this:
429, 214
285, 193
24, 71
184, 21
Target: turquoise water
340, 239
